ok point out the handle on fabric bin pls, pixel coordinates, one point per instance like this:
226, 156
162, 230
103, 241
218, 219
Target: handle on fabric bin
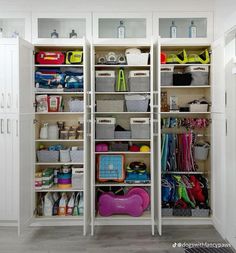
2, 100
2, 126
8, 126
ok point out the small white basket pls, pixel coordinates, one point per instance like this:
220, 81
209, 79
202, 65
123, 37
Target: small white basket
65, 155
201, 152
137, 59
77, 156
198, 107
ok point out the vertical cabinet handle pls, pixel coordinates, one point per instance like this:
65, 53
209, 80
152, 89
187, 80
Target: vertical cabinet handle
2, 126
8, 126
2, 100
9, 100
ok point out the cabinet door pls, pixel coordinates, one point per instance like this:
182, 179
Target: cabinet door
25, 136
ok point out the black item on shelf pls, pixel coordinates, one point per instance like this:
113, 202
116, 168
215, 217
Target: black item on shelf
182, 212
119, 147
182, 79
119, 128
184, 109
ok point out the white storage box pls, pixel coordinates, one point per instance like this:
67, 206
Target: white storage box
77, 156
105, 128
139, 81
105, 80
198, 107
137, 59
167, 75
47, 156
65, 155
140, 128
200, 75
77, 178
76, 105
137, 103
110, 105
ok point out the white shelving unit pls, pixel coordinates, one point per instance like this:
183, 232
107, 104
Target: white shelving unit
69, 118
148, 218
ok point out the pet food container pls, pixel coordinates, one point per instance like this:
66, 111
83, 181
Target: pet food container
110, 105
105, 128
182, 79
198, 107
200, 75
137, 59
122, 135
140, 128
77, 178
139, 81
105, 81
76, 105
46, 156
201, 151
65, 155
77, 156
167, 75
137, 103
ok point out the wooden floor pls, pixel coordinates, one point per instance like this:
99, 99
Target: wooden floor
120, 239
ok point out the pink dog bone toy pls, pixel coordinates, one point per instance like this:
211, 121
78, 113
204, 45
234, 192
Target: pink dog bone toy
109, 204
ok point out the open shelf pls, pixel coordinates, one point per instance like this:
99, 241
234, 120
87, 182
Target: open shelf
59, 140
57, 189
59, 65
124, 152
122, 184
59, 163
59, 113
141, 140
121, 66
186, 87
146, 216
119, 93
59, 93
123, 113
183, 172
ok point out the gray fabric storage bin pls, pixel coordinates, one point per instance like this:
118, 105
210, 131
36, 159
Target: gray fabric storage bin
123, 135
140, 128
200, 212
105, 128
77, 156
200, 75
77, 179
105, 81
167, 75
47, 156
167, 212
139, 81
110, 105
137, 103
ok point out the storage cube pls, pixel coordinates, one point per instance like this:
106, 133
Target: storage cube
137, 59
77, 156
110, 105
65, 155
137, 103
76, 105
200, 212
46, 156
200, 75
166, 212
122, 135
198, 107
140, 128
139, 81
77, 178
105, 80
167, 75
105, 128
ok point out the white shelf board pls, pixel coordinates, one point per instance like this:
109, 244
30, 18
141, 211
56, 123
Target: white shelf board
186, 87
122, 113
59, 140
175, 220
57, 221
184, 113
121, 66
122, 140
60, 42
183, 172
184, 65
56, 189
120, 93
59, 113
59, 92
146, 216
59, 65
58, 163
121, 184
124, 152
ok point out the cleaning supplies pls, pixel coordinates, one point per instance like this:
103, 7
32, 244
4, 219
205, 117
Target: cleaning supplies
71, 204
192, 30
44, 131
121, 30
1, 32
48, 204
54, 34
73, 34
173, 30
63, 204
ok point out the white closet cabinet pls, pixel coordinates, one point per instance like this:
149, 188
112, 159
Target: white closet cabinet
16, 130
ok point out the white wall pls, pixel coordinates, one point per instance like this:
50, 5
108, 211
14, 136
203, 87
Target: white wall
106, 5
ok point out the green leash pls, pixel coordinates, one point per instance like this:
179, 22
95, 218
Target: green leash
121, 82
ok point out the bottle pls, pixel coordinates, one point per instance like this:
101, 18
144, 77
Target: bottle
192, 30
73, 34
173, 30
121, 30
1, 32
44, 131
54, 34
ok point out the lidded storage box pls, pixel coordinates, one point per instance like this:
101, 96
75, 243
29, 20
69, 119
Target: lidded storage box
105, 80
167, 75
140, 128
200, 75
139, 81
105, 128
